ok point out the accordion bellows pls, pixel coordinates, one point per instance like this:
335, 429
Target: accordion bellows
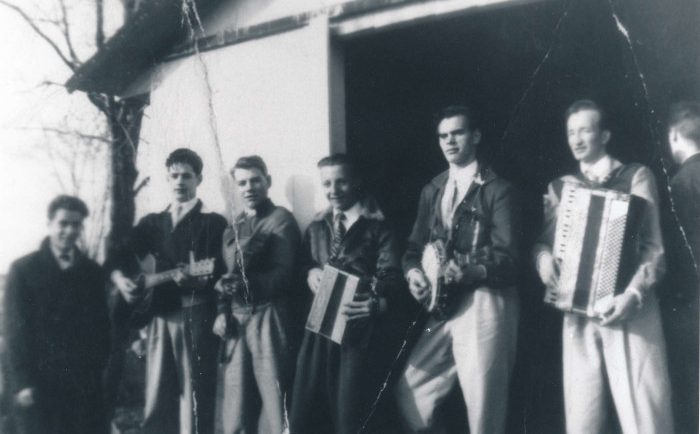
337, 288
593, 245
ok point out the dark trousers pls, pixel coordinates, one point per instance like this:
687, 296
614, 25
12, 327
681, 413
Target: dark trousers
67, 401
331, 393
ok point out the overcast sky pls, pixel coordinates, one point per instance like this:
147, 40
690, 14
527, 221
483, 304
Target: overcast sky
28, 173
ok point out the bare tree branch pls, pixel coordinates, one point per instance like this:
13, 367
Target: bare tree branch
99, 28
100, 101
72, 133
51, 83
144, 182
72, 65
66, 32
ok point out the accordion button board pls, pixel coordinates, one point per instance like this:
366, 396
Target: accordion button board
592, 231
337, 288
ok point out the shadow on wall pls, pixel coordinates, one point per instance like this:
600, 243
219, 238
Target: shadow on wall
300, 193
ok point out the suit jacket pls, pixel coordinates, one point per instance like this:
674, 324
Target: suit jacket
685, 188
268, 243
197, 231
55, 320
368, 250
487, 218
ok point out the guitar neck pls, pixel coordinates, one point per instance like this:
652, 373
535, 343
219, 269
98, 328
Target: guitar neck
151, 280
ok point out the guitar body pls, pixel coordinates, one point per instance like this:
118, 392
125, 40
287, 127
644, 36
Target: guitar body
137, 315
141, 311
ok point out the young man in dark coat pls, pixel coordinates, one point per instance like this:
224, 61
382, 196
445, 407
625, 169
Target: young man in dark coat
334, 386
260, 250
58, 330
181, 349
681, 322
473, 339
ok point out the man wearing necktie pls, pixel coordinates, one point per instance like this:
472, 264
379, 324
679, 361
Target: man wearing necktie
181, 349
472, 210
620, 359
336, 384
57, 330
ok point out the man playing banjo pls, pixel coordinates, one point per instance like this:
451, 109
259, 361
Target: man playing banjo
468, 213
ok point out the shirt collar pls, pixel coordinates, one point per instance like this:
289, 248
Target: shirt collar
186, 206
261, 210
463, 176
352, 214
601, 169
63, 263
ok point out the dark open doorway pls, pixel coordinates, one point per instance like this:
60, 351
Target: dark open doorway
520, 67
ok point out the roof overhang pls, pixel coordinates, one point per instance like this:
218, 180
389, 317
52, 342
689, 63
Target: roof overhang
138, 45
158, 34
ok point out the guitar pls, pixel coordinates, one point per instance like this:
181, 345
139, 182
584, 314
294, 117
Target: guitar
139, 313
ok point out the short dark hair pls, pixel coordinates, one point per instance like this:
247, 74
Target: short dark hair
337, 159
250, 162
69, 203
588, 104
685, 116
451, 111
185, 156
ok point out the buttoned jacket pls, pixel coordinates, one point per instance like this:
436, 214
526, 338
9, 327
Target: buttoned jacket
485, 222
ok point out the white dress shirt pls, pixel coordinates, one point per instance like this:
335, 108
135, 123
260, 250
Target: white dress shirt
352, 215
184, 208
64, 263
600, 170
458, 183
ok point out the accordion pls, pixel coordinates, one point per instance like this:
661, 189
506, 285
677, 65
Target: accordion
337, 288
593, 245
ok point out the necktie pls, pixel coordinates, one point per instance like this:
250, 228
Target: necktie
338, 233
451, 203
178, 214
65, 260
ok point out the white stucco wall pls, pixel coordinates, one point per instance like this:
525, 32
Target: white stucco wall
269, 96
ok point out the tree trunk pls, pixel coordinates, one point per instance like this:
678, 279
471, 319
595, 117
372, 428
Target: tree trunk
125, 126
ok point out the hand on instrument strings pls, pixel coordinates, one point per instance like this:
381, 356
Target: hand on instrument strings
220, 326
127, 287
314, 279
418, 285
25, 397
231, 285
363, 305
182, 278
624, 306
551, 295
548, 269
465, 275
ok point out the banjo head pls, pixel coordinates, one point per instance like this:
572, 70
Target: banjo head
433, 262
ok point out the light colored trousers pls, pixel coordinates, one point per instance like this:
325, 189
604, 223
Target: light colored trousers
181, 372
476, 347
257, 376
629, 360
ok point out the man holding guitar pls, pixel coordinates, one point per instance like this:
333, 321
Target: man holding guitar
179, 314
467, 214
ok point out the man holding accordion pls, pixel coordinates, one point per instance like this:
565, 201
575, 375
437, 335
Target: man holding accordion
600, 256
461, 263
